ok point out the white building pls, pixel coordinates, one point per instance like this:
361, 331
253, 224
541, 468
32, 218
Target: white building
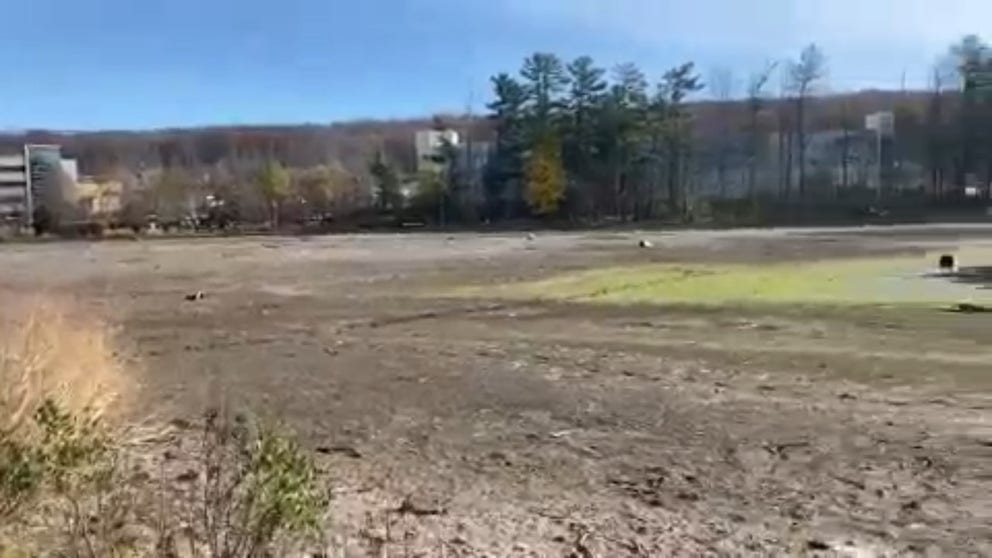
428, 144
471, 158
70, 169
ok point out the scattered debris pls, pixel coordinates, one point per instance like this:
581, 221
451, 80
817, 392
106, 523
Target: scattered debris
912, 505
816, 544
347, 451
687, 496
501, 458
580, 548
851, 482
970, 308
198, 295
187, 476
947, 263
872, 211
407, 507
780, 449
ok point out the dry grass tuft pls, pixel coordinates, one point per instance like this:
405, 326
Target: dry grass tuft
51, 349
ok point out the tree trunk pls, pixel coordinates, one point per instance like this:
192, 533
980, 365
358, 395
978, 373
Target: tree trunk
752, 167
274, 214
617, 188
721, 173
781, 160
934, 158
788, 166
686, 186
752, 177
845, 156
934, 182
674, 202
442, 202
988, 181
801, 137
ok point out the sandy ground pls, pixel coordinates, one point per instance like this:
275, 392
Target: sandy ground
526, 428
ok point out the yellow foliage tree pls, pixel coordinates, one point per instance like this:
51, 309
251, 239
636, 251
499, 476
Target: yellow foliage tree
545, 177
274, 180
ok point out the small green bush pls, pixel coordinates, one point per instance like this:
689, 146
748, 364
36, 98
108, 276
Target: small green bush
74, 450
21, 474
255, 490
259, 489
55, 451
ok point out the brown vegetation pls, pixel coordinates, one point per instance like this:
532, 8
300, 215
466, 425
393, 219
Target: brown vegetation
50, 350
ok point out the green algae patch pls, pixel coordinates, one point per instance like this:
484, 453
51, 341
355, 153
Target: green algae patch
899, 280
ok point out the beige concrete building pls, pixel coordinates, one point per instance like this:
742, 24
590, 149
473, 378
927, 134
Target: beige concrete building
97, 197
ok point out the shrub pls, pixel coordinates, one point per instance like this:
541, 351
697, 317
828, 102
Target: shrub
20, 476
256, 489
68, 464
253, 489
59, 376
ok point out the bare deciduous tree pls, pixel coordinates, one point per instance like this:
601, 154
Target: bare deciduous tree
941, 76
677, 84
755, 104
849, 121
804, 75
721, 85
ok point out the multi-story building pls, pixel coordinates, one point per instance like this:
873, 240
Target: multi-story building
15, 204
28, 178
99, 198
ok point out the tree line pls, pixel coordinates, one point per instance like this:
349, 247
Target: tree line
579, 140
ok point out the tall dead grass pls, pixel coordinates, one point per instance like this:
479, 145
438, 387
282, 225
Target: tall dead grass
52, 349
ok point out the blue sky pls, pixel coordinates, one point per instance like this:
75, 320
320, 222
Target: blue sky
95, 64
